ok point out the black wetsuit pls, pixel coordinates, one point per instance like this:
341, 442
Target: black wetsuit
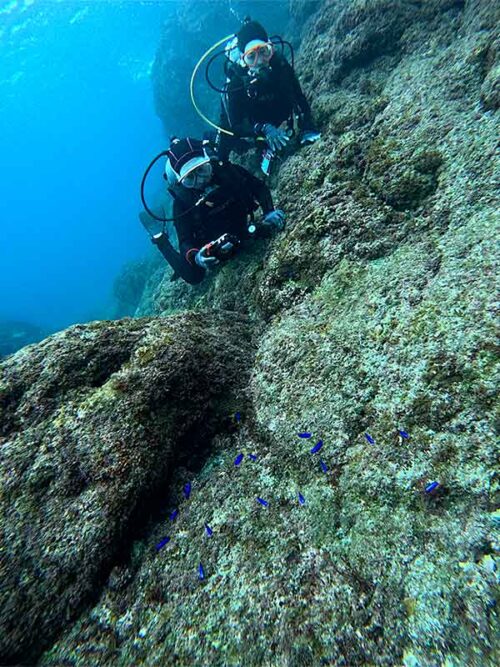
225, 209
271, 97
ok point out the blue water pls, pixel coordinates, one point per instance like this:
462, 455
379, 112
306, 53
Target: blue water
77, 128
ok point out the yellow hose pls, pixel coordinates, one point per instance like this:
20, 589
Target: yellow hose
191, 86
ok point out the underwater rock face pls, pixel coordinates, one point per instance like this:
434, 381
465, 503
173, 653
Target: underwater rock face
15, 335
130, 285
379, 303
374, 314
91, 423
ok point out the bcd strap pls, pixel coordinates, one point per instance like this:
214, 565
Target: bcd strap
182, 195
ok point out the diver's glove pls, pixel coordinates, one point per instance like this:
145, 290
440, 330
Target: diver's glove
203, 261
275, 218
309, 136
276, 137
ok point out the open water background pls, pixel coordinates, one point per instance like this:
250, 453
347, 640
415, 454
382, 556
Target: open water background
77, 127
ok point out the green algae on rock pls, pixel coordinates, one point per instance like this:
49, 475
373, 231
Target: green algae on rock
92, 420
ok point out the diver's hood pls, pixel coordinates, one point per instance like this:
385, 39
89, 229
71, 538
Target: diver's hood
184, 155
171, 176
250, 30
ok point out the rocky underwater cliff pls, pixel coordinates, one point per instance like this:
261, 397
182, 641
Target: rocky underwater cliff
15, 334
368, 323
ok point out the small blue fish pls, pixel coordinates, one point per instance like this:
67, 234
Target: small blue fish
324, 467
253, 457
237, 416
187, 490
304, 435
431, 487
208, 529
317, 447
369, 438
173, 515
403, 434
238, 459
201, 572
162, 543
262, 501
302, 500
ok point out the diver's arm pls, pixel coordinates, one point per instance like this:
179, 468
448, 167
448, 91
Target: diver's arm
191, 274
182, 262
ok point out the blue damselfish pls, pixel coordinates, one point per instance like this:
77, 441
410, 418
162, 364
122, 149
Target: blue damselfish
162, 543
317, 447
431, 487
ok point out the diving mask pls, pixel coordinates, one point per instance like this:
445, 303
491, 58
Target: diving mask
258, 53
197, 178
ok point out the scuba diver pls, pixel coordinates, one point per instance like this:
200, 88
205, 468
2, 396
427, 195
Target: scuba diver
213, 210
261, 97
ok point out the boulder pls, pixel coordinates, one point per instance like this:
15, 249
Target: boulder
92, 422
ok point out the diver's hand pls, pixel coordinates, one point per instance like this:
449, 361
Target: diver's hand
275, 218
309, 136
203, 261
276, 137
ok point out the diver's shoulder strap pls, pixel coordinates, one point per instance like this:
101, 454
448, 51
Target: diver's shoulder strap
182, 195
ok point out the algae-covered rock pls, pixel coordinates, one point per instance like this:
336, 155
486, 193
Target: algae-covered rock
92, 421
401, 342
374, 316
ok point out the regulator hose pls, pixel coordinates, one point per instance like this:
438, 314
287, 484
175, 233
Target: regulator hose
143, 182
143, 198
207, 74
191, 85
277, 38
